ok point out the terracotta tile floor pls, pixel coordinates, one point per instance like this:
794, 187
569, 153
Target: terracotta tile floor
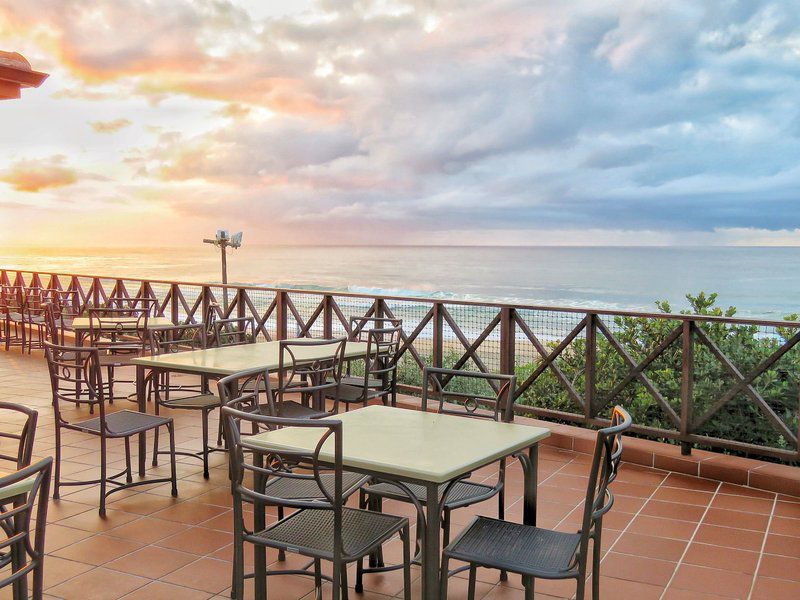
669, 536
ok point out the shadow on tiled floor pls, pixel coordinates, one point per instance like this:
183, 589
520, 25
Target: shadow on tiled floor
669, 536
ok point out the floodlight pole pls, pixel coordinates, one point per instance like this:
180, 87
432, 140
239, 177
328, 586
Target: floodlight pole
222, 242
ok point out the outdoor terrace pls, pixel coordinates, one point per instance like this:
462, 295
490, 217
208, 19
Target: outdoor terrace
669, 536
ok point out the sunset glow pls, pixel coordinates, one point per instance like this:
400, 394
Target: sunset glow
504, 122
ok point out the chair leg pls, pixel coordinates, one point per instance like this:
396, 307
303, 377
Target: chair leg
237, 573
103, 476
445, 568
446, 528
473, 575
318, 578
501, 514
281, 551
155, 436
596, 551
360, 576
57, 473
529, 587
205, 443
406, 535
345, 590
336, 587
38, 579
173, 468
128, 472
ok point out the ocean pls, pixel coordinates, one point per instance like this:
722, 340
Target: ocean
760, 282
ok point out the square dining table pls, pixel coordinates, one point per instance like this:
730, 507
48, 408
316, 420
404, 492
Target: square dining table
430, 449
81, 325
227, 360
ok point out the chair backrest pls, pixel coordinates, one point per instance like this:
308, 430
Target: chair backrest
134, 305
248, 391
53, 327
360, 326
605, 463
118, 329
23, 437
472, 392
75, 376
13, 298
234, 332
380, 361
252, 466
320, 375
178, 338
30, 487
67, 302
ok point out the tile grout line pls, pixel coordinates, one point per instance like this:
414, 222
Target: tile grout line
691, 540
625, 529
763, 547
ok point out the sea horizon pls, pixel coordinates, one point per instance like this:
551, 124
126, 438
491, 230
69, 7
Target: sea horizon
591, 277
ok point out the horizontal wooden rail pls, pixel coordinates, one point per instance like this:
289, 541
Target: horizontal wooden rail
571, 364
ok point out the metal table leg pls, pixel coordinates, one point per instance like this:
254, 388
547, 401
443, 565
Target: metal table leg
141, 398
431, 554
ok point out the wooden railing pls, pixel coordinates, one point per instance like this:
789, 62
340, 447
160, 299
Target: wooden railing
703, 380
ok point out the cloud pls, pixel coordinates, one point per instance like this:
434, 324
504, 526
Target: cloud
110, 126
505, 115
35, 175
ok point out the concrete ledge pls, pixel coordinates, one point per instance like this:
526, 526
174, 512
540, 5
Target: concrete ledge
772, 477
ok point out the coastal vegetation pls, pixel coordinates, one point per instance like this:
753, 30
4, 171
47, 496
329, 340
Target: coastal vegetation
744, 345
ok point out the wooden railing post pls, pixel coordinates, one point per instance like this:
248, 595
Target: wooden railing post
590, 373
327, 316
175, 291
438, 336
241, 305
687, 384
508, 341
281, 316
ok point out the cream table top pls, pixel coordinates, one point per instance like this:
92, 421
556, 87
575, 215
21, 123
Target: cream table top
15, 489
82, 323
410, 444
233, 359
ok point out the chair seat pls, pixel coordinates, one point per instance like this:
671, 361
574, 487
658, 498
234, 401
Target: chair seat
308, 489
359, 381
194, 401
350, 393
123, 423
518, 548
116, 360
289, 409
309, 531
461, 494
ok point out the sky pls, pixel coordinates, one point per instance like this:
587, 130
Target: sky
389, 122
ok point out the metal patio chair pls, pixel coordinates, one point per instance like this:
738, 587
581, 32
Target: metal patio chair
22, 550
24, 436
321, 526
134, 305
534, 552
379, 378
312, 381
68, 363
118, 343
167, 394
233, 332
33, 325
13, 306
494, 391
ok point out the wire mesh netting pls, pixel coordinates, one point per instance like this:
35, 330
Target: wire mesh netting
262, 300
547, 389
412, 313
763, 411
615, 382
306, 305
